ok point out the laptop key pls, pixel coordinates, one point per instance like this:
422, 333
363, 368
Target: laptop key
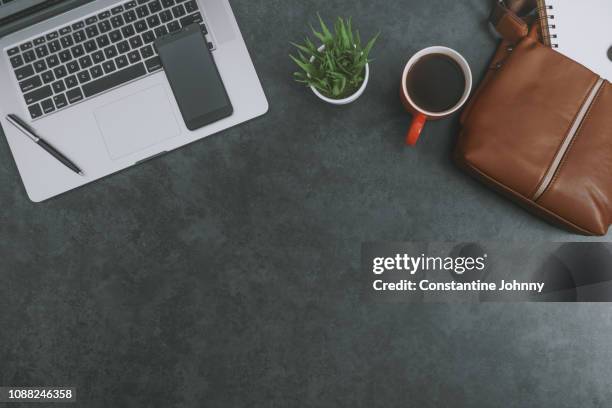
130, 16
185, 21
178, 11
111, 52
191, 6
165, 16
153, 64
161, 31
104, 26
148, 37
54, 46
79, 36
136, 42
147, 52
85, 62
174, 27
13, 51
104, 14
90, 46
65, 56
30, 84
47, 77
142, 11
60, 101
197, 18
52, 61
72, 67
58, 87
155, 6
121, 62
116, 10
67, 41
35, 111
84, 77
42, 51
103, 41
118, 78
52, 36
39, 41
16, 61
60, 72
78, 25
38, 95
96, 71
92, 31
78, 51
74, 95
115, 36
130, 5
91, 20
153, 21
29, 56
65, 30
128, 31
134, 57
39, 66
47, 106
117, 21
26, 46
109, 66
98, 57
71, 81
140, 26
167, 3
24, 72
123, 47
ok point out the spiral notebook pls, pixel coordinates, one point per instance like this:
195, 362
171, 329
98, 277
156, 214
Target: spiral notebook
581, 30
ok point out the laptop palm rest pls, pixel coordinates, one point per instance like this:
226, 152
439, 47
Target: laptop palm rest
137, 122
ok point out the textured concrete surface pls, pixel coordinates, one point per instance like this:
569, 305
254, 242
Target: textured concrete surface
224, 274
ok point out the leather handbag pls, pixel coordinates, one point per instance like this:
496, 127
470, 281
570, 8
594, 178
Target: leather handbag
539, 128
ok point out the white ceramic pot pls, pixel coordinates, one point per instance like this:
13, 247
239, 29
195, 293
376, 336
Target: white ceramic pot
350, 99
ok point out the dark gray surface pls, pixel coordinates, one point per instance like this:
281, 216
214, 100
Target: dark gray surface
224, 274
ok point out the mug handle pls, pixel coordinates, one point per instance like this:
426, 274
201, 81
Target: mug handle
415, 129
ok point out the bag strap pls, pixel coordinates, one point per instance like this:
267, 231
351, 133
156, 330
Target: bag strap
511, 18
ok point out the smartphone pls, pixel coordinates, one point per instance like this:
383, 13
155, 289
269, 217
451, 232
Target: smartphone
194, 77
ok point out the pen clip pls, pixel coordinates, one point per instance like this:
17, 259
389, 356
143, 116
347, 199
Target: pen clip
23, 127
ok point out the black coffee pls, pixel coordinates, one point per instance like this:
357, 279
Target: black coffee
435, 83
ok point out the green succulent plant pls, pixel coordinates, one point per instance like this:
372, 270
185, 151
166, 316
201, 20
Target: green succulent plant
338, 70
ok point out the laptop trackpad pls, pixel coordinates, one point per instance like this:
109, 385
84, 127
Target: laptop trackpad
137, 122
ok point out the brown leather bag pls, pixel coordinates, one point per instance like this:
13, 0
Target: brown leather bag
539, 129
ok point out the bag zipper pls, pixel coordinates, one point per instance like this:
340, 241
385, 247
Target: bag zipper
571, 135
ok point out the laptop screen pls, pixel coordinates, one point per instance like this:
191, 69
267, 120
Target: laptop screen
12, 8
18, 14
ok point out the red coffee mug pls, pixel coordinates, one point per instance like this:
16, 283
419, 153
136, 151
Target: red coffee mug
421, 116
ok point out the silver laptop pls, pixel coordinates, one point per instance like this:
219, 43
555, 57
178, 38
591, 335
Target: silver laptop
85, 75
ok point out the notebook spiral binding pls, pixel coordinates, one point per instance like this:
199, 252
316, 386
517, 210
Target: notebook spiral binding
548, 26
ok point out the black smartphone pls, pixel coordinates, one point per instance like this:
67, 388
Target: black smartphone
194, 77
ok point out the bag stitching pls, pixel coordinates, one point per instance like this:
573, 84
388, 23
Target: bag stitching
571, 123
523, 26
573, 142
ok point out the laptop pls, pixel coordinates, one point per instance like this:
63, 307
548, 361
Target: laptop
86, 76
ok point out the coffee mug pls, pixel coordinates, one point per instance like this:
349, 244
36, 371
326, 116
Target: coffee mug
437, 82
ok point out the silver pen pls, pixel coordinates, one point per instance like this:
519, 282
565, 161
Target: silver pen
29, 132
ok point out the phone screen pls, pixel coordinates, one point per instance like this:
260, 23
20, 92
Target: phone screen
193, 77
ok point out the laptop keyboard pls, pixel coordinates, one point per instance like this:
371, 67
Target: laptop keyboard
96, 54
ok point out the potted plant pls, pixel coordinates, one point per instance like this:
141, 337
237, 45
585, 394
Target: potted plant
338, 70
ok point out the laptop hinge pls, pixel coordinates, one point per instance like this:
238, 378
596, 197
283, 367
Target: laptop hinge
36, 14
